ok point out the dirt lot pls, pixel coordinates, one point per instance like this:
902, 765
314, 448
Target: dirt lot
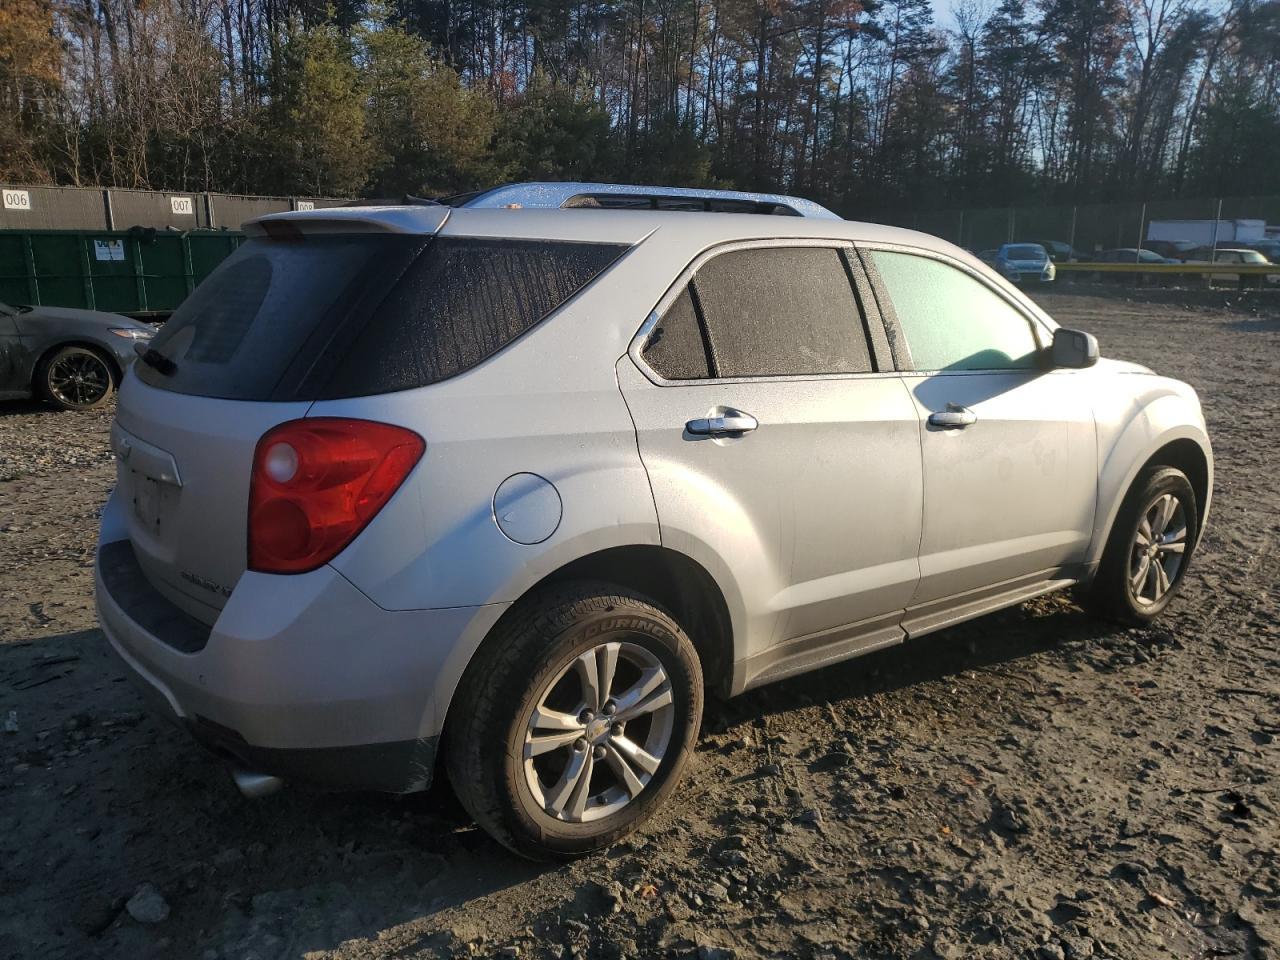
1033, 784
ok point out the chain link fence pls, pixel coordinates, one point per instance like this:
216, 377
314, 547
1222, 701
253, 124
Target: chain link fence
1089, 228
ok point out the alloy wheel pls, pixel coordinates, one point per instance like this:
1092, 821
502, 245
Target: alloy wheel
599, 732
1159, 546
79, 379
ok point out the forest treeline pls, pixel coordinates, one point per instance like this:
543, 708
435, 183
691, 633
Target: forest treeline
863, 104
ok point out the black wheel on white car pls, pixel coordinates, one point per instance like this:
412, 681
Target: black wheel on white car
574, 721
1149, 549
75, 378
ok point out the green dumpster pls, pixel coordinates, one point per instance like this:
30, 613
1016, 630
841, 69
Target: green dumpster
141, 273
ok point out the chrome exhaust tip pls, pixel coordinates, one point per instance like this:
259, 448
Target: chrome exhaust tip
256, 785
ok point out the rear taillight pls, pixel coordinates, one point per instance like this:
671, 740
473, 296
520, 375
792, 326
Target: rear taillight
316, 484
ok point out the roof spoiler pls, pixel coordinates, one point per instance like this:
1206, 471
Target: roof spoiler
417, 218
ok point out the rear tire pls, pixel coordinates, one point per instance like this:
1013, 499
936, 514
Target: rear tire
1149, 549
555, 764
75, 378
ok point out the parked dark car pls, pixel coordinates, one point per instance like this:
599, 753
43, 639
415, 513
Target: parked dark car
1142, 257
1177, 250
72, 359
1060, 251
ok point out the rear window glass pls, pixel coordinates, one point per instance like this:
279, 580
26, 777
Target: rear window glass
239, 330
328, 317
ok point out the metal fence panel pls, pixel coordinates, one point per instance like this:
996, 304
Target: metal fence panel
93, 208
227, 212
51, 208
147, 208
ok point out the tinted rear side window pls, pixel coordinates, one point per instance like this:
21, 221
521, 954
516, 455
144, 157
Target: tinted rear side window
777, 311
461, 301
327, 317
675, 349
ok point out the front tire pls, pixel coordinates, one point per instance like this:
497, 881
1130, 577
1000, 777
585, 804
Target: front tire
1149, 549
574, 721
75, 378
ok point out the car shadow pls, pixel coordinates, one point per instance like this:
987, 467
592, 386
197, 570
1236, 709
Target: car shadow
10, 408
998, 638
1256, 324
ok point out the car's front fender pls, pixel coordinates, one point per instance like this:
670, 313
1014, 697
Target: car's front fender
1133, 427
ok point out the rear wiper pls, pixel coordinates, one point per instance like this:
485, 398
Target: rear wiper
155, 359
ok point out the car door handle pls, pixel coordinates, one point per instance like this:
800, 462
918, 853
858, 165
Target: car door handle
729, 424
955, 417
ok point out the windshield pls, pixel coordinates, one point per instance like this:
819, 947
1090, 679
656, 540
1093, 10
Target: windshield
1026, 251
1150, 256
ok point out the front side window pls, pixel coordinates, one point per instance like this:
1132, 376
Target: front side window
952, 321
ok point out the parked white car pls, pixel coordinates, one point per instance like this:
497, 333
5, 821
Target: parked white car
503, 490
1235, 255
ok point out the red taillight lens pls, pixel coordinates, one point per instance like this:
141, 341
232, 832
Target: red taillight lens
316, 484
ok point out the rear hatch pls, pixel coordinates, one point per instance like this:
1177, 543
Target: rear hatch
243, 353
313, 307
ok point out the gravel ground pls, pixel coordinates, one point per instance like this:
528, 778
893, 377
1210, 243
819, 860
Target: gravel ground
1032, 784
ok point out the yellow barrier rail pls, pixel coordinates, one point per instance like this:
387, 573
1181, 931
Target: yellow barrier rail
1235, 269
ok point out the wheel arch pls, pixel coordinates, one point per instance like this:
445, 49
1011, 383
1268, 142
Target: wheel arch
671, 579
1185, 447
675, 582
1189, 457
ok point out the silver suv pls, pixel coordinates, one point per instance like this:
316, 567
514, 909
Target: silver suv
502, 485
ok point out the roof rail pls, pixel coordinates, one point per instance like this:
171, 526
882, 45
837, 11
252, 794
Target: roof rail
625, 196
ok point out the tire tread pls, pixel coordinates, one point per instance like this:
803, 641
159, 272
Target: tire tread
1107, 595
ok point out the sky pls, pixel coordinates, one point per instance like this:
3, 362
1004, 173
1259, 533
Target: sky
943, 18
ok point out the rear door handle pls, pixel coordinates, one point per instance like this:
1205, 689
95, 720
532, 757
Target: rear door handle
955, 417
731, 423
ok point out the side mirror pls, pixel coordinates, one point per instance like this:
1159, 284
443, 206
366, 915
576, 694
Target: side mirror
1073, 349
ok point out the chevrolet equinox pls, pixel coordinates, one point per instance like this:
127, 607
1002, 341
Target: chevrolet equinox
501, 485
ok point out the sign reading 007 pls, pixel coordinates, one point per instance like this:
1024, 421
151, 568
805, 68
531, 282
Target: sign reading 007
181, 205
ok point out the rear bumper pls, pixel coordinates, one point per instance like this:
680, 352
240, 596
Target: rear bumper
302, 676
